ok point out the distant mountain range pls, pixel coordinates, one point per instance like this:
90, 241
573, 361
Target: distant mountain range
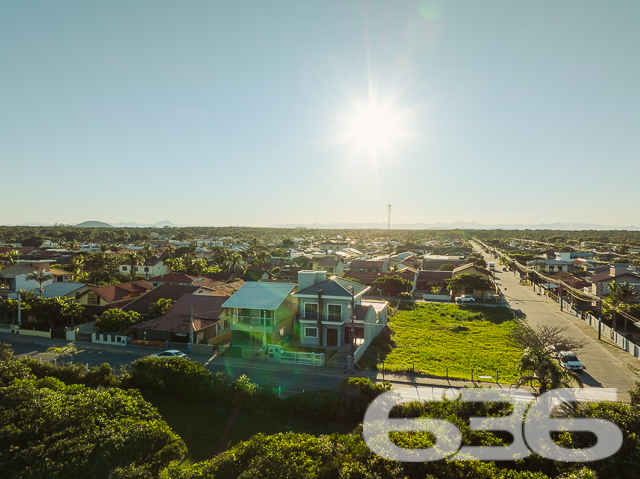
101, 224
469, 225
459, 225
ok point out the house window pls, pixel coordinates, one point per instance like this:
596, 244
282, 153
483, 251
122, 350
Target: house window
124, 268
92, 298
146, 269
226, 324
335, 312
310, 311
311, 332
244, 312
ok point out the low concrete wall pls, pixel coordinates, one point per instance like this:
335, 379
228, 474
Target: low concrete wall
40, 334
202, 349
436, 297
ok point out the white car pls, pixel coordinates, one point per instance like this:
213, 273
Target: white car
465, 299
569, 360
170, 353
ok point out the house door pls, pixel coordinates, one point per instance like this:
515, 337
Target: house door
347, 334
332, 337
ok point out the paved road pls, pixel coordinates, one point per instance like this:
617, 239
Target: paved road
288, 380
606, 364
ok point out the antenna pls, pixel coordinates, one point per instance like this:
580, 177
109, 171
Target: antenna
389, 225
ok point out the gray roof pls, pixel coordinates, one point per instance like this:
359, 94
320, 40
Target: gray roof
17, 269
334, 287
256, 295
60, 289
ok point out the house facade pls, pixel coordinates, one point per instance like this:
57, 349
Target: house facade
332, 312
151, 267
261, 313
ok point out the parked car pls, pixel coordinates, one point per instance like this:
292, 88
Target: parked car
170, 353
569, 360
465, 299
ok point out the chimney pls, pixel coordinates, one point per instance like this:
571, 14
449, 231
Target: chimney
308, 278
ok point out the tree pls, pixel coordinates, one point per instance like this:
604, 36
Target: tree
116, 321
541, 337
160, 307
235, 265
66, 352
82, 432
468, 281
447, 267
537, 366
39, 276
133, 259
619, 297
392, 285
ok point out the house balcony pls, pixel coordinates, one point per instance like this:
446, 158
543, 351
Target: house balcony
330, 320
250, 322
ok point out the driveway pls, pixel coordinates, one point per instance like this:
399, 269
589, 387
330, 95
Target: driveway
607, 366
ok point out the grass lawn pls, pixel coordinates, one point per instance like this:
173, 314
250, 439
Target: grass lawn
435, 337
208, 430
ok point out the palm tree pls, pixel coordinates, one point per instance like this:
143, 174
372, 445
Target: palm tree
77, 263
133, 259
235, 264
619, 297
537, 366
39, 276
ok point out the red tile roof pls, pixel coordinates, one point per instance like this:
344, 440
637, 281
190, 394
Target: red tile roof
119, 292
163, 291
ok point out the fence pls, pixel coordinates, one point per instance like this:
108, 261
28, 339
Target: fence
298, 357
628, 346
476, 375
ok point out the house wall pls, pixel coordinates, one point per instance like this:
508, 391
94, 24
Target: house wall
157, 269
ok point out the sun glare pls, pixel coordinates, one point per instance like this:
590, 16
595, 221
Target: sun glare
372, 128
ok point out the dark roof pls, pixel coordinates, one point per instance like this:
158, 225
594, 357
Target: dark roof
204, 307
173, 278
120, 292
334, 287
174, 324
628, 275
361, 263
169, 291
328, 261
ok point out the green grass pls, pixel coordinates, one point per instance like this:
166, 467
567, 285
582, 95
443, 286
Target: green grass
208, 429
434, 337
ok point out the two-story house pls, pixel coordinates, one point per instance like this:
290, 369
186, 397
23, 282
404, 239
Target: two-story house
332, 264
261, 313
620, 273
14, 278
151, 267
332, 311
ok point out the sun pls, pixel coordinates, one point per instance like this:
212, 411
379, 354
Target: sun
373, 128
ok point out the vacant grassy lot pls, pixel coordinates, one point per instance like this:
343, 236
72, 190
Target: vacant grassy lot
434, 337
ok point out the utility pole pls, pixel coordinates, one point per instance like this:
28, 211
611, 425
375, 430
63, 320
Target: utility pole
389, 226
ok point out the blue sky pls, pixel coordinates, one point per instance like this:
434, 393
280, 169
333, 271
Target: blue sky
243, 112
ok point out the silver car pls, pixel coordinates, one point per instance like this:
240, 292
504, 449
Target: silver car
170, 353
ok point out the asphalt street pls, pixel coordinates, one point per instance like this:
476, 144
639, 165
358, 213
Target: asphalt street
606, 364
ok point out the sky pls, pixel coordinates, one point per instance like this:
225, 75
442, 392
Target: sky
287, 112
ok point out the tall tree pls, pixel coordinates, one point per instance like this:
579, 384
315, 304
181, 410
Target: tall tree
619, 297
536, 366
39, 276
133, 259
